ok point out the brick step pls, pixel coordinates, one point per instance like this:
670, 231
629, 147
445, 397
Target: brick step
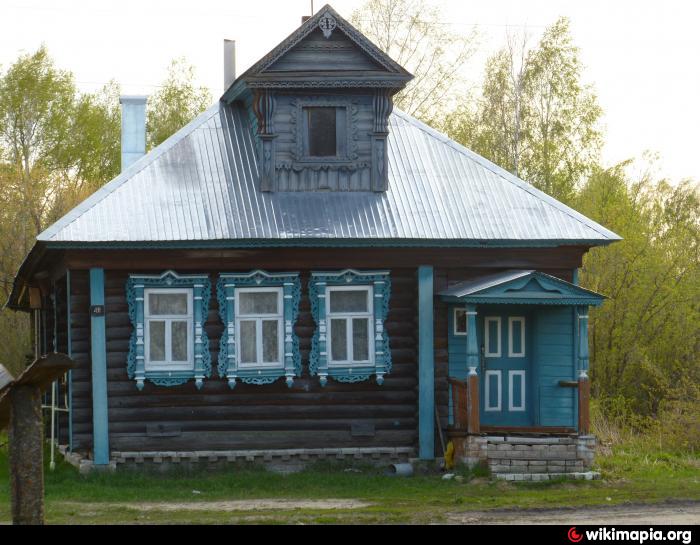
531, 455
532, 441
516, 466
578, 475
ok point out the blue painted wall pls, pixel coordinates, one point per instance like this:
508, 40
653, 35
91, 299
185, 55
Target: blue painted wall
457, 347
555, 361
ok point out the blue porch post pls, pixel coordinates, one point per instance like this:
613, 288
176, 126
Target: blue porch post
582, 314
426, 365
98, 356
584, 385
473, 369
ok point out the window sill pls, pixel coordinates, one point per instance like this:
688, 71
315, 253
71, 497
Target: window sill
169, 377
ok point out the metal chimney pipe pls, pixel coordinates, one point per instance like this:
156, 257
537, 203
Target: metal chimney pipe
133, 129
229, 63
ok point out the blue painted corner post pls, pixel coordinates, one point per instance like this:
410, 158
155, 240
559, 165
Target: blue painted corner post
426, 365
98, 352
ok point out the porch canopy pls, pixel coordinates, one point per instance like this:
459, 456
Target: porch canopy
524, 287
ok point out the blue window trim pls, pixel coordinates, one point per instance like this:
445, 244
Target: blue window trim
318, 360
201, 288
228, 361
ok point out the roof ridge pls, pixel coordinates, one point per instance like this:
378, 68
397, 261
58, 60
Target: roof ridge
115, 183
507, 176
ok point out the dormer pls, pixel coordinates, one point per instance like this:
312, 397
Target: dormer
320, 103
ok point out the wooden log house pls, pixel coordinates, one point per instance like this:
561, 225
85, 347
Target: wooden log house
304, 271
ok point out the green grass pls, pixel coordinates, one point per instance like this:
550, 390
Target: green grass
629, 476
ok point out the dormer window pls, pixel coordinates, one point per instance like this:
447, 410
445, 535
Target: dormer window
321, 132
324, 131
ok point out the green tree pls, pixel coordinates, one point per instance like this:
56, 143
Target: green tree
535, 117
177, 102
413, 33
645, 340
56, 146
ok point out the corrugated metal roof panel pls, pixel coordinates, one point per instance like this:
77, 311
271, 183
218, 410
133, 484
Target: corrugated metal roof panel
201, 185
469, 287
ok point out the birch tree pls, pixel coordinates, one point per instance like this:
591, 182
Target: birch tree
415, 34
535, 117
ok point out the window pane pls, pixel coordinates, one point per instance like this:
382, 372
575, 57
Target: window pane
167, 303
248, 341
339, 340
517, 347
270, 332
494, 346
178, 340
360, 339
260, 302
156, 341
349, 301
322, 132
460, 321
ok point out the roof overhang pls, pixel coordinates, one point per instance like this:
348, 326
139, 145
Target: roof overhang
25, 281
520, 287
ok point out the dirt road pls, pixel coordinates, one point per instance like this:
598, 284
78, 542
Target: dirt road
672, 513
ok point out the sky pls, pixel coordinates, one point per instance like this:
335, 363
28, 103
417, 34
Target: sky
641, 56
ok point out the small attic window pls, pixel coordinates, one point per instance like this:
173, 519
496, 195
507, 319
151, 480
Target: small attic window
321, 132
324, 132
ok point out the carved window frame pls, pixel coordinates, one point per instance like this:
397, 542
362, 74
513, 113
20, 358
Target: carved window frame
228, 364
350, 159
319, 363
200, 286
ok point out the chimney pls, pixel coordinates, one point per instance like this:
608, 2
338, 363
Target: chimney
229, 63
133, 129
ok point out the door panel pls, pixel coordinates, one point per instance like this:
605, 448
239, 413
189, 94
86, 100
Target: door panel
505, 377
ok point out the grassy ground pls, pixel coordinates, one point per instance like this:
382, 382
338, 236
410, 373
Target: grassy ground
629, 476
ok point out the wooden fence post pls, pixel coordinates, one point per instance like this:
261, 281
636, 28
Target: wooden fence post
473, 423
20, 411
26, 456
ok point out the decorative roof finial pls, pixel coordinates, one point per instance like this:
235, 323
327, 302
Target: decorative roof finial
327, 24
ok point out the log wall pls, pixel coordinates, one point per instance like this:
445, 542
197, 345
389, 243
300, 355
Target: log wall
274, 416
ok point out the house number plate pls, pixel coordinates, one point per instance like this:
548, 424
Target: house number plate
97, 310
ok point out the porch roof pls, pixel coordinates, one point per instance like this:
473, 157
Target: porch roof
525, 287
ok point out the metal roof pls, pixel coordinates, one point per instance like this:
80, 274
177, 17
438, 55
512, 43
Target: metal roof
469, 287
201, 185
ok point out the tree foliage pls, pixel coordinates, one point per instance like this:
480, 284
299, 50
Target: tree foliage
645, 340
177, 102
413, 33
57, 146
535, 117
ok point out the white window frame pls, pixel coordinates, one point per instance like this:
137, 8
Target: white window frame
259, 318
487, 391
348, 316
487, 343
168, 364
456, 332
511, 321
511, 407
